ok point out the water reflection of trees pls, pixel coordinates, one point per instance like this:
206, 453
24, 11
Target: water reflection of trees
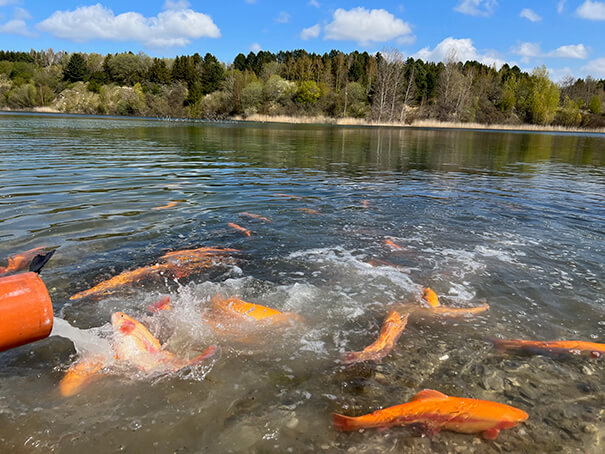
360, 150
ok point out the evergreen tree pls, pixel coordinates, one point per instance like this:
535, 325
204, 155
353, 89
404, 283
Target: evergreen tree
75, 69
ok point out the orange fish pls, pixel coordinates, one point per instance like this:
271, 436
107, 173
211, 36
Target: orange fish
32, 260
250, 311
288, 196
444, 311
366, 203
430, 297
240, 228
162, 305
436, 411
308, 210
554, 347
389, 334
255, 216
134, 344
80, 375
178, 263
392, 245
168, 205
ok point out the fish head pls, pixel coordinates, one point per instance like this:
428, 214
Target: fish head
123, 323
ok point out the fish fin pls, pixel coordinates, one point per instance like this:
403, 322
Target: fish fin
162, 305
39, 261
596, 354
208, 353
345, 423
491, 434
428, 394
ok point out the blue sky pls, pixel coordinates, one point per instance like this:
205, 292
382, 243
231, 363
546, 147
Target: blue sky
568, 36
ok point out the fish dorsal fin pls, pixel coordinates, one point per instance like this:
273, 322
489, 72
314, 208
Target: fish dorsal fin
428, 394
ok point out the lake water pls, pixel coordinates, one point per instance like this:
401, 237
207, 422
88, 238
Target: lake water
516, 219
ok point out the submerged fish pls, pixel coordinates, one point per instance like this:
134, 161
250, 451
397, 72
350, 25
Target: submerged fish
80, 375
288, 196
554, 347
168, 205
32, 260
135, 344
365, 203
430, 297
163, 304
443, 311
392, 245
240, 228
178, 263
389, 334
308, 210
436, 411
255, 216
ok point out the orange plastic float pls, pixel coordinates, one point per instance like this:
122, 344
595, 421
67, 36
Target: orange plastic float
26, 311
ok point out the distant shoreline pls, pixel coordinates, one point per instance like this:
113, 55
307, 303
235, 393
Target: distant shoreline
320, 120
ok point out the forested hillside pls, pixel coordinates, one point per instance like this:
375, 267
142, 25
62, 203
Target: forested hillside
381, 88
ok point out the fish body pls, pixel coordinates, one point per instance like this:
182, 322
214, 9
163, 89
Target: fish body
308, 210
289, 196
389, 334
366, 203
416, 311
436, 411
255, 216
392, 245
163, 304
555, 347
134, 344
108, 286
80, 375
23, 260
430, 297
240, 228
244, 308
168, 205
179, 263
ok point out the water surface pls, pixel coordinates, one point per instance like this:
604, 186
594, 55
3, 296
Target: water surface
516, 219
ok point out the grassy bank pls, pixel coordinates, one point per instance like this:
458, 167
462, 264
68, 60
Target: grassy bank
416, 124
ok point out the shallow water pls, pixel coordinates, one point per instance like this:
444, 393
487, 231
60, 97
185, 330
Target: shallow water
516, 219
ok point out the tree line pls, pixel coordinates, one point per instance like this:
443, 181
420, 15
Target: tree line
384, 87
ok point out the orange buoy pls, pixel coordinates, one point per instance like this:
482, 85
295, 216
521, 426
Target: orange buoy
26, 311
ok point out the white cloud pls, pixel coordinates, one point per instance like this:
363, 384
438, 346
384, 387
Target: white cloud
591, 10
366, 26
282, 18
310, 32
16, 27
255, 47
570, 51
169, 28
458, 49
8, 2
560, 6
21, 13
527, 51
527, 13
559, 74
595, 68
533, 50
314, 3
477, 7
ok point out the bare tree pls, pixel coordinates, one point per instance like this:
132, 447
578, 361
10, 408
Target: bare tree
389, 80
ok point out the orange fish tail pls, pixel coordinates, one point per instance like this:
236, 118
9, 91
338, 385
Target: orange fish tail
345, 423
